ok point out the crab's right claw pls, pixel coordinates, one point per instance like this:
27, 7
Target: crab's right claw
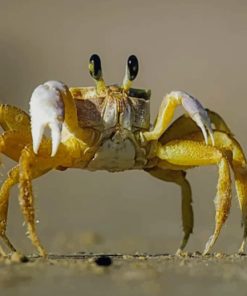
197, 113
47, 109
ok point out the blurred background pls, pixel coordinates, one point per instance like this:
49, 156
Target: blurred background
196, 46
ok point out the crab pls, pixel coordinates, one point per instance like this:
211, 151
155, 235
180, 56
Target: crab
108, 128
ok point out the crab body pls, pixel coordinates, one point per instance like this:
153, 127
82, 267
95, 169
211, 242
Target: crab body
108, 128
119, 118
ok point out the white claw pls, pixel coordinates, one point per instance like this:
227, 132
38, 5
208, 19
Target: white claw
197, 112
56, 128
196, 117
47, 109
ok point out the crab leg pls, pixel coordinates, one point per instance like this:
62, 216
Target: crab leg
32, 165
11, 144
166, 113
184, 126
13, 177
178, 177
191, 153
2, 253
12, 118
218, 122
239, 166
241, 188
26, 198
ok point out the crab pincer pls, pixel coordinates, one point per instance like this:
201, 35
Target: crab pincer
197, 112
191, 105
47, 109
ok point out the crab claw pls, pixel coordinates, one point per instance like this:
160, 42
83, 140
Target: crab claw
47, 109
197, 112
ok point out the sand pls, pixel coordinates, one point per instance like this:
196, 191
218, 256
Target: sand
137, 274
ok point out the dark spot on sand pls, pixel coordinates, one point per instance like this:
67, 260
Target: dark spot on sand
103, 261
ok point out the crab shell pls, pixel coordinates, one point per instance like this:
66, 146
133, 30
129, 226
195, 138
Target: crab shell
131, 112
119, 118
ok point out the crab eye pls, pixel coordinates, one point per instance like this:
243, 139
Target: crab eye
133, 67
95, 67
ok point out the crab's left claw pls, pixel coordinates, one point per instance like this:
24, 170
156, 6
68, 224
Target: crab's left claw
196, 111
47, 109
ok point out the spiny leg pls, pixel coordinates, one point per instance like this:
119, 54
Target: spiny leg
12, 179
31, 166
239, 166
178, 177
241, 188
11, 144
185, 152
26, 199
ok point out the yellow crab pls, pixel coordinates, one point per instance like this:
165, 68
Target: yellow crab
108, 128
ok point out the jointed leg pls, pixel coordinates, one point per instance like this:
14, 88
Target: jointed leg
238, 163
11, 144
12, 118
178, 177
31, 166
241, 188
194, 153
2, 253
218, 122
239, 167
184, 126
13, 177
166, 113
222, 202
26, 199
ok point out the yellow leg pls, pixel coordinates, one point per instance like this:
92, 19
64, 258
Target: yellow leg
184, 126
218, 122
239, 166
26, 199
11, 144
166, 113
241, 188
178, 177
165, 116
12, 118
31, 166
13, 177
185, 152
2, 253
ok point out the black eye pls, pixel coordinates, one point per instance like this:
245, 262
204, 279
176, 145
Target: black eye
95, 66
132, 67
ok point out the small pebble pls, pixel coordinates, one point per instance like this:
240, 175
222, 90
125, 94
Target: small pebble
103, 261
